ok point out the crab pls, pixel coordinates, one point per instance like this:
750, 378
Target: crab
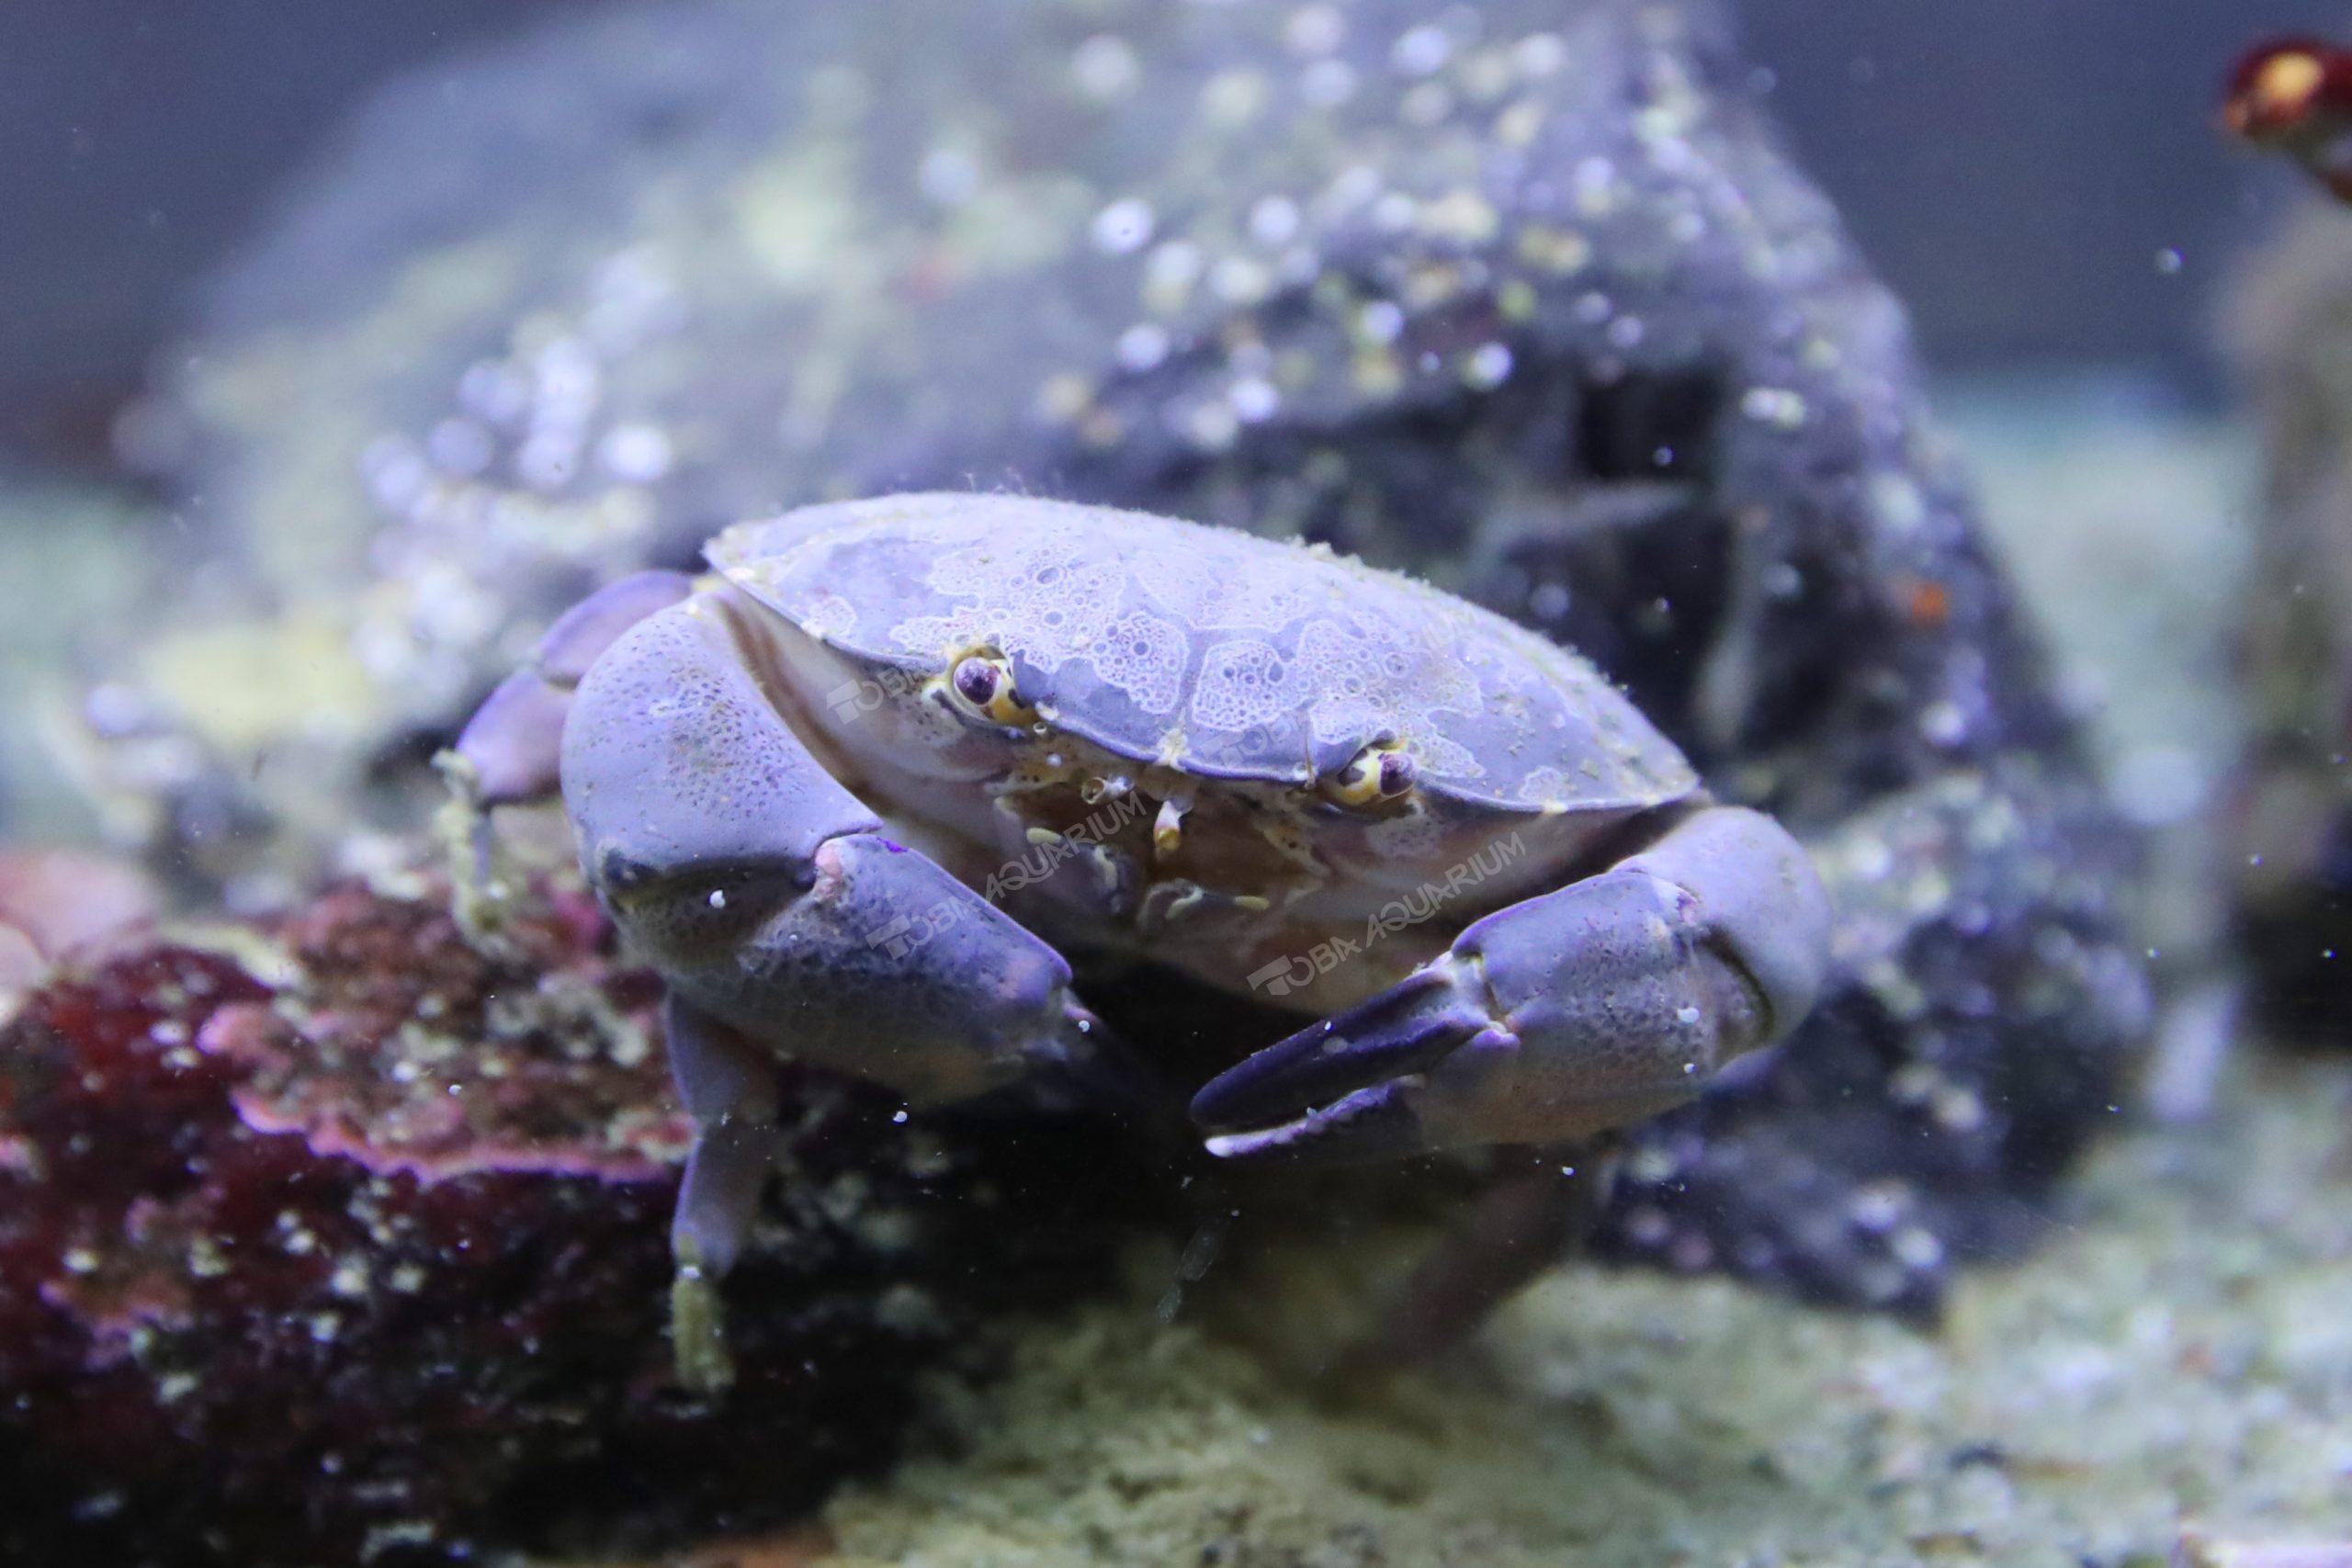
853, 792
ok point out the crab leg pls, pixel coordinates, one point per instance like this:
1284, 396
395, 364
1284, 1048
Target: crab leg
512, 743
728, 1088
509, 752
1538, 1212
1581, 1009
786, 924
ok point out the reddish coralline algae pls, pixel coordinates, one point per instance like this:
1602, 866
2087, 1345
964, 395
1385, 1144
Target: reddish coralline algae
370, 1261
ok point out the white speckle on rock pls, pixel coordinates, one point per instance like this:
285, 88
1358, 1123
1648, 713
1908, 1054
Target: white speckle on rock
1143, 346
1274, 220
1315, 30
1775, 406
1104, 67
639, 453
1254, 399
948, 175
1420, 50
1381, 321
1328, 84
1489, 367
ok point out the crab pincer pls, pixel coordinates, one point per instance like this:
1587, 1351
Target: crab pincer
1589, 1007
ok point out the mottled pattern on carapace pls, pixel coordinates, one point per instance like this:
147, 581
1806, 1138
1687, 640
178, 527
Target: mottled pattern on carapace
1209, 651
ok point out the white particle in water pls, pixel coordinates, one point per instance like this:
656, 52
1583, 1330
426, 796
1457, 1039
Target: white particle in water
1124, 227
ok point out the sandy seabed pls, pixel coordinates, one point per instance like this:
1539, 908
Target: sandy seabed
2174, 1367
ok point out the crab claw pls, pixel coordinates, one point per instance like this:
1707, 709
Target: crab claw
1588, 1008
1346, 1088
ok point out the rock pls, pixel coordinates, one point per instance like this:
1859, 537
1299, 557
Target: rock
368, 1260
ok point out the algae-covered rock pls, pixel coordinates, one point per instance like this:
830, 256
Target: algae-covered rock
355, 1247
2176, 1365
1525, 297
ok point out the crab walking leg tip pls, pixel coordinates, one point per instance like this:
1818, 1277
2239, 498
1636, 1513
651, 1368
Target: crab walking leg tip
698, 1330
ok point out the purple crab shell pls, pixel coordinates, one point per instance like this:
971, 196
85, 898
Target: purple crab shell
1210, 650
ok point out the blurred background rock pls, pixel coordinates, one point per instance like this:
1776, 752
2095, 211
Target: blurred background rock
2013, 168
2042, 185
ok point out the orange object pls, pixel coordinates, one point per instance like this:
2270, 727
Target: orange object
1927, 601
2295, 95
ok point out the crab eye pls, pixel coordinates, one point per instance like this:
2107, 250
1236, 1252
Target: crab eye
1381, 772
983, 683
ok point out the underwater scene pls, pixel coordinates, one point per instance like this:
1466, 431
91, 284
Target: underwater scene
1243, 784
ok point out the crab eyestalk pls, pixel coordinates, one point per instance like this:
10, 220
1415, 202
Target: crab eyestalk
1378, 774
984, 682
